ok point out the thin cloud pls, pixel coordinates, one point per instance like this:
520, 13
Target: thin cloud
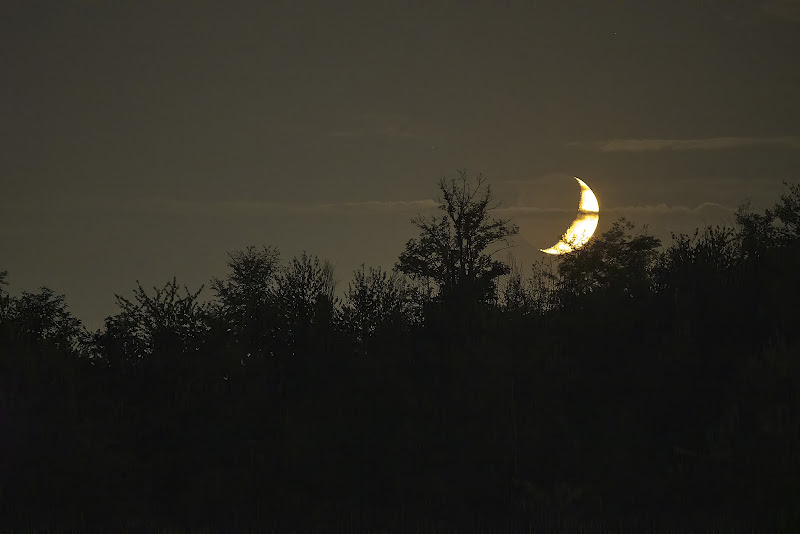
552, 176
709, 143
665, 208
512, 211
268, 208
383, 205
654, 209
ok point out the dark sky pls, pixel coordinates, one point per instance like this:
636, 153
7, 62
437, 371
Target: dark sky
142, 140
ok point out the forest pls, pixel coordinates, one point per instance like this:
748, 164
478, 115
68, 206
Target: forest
630, 383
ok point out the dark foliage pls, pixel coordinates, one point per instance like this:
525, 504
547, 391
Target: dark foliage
630, 385
454, 250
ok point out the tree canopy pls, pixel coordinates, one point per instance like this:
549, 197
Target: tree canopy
455, 250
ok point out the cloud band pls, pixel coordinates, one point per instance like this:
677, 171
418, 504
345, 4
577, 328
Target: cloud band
709, 143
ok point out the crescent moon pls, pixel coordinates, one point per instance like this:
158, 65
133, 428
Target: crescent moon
582, 228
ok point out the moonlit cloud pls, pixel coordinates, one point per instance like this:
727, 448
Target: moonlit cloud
514, 211
384, 205
665, 208
709, 143
654, 209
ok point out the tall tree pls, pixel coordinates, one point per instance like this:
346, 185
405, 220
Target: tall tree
247, 301
455, 250
251, 282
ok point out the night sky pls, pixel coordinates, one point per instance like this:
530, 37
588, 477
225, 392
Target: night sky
145, 140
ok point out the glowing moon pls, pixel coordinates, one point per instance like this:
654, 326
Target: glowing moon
580, 231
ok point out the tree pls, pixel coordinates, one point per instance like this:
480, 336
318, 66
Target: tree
305, 298
376, 302
755, 232
165, 323
455, 249
525, 295
5, 298
616, 260
251, 283
247, 299
40, 316
306, 288
788, 211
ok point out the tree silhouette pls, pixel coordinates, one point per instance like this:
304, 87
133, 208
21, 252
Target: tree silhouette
251, 283
305, 295
622, 385
454, 250
615, 260
247, 306
787, 210
41, 316
377, 303
165, 322
5, 298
